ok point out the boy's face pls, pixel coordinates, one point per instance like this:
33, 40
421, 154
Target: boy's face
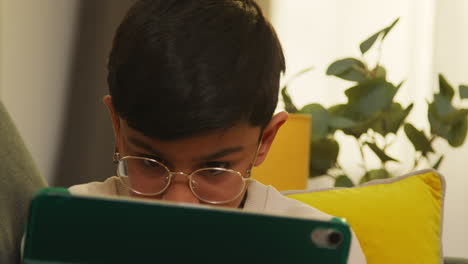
236, 148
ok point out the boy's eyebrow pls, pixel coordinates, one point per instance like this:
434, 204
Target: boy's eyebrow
138, 143
222, 153
219, 154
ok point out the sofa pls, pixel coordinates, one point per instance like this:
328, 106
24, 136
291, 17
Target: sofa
19, 180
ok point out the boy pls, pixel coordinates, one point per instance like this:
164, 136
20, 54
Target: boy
193, 87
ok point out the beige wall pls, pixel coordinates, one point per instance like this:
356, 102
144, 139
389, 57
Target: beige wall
451, 58
36, 42
52, 79
87, 144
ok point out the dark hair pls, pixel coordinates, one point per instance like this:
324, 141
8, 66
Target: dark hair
183, 67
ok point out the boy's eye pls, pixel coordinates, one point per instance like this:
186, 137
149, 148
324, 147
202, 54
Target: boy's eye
150, 163
150, 157
217, 164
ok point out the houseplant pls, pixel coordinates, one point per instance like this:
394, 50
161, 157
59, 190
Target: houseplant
372, 117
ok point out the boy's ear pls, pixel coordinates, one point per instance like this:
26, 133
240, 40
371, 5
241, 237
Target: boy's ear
269, 134
115, 119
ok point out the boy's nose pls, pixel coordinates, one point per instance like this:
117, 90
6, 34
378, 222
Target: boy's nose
179, 191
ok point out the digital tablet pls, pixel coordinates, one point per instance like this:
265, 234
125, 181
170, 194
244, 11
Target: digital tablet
66, 228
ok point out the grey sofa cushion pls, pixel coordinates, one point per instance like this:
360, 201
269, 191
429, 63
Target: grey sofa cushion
449, 260
19, 180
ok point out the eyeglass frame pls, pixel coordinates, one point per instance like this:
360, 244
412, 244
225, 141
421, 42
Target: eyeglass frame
117, 159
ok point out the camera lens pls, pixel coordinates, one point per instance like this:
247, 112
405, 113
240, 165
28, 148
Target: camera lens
327, 238
335, 238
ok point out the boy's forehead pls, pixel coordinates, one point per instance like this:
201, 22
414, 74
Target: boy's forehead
241, 134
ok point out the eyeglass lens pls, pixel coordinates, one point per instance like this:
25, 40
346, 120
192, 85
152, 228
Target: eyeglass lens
150, 177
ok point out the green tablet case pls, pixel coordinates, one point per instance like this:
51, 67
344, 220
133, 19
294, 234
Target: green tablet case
65, 228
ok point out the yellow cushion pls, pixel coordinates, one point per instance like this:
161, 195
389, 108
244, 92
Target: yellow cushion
396, 220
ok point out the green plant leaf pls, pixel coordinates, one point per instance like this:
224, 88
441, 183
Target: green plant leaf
287, 100
443, 106
354, 76
371, 97
359, 129
344, 110
339, 122
341, 66
438, 127
319, 122
323, 156
368, 43
339, 110
391, 120
463, 89
445, 88
439, 161
361, 123
343, 181
455, 116
396, 117
375, 175
387, 29
418, 139
400, 84
350, 69
457, 134
380, 72
380, 153
447, 121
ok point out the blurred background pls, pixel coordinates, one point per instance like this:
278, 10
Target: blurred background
53, 56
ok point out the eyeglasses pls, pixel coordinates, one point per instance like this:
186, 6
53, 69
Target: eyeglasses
150, 177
